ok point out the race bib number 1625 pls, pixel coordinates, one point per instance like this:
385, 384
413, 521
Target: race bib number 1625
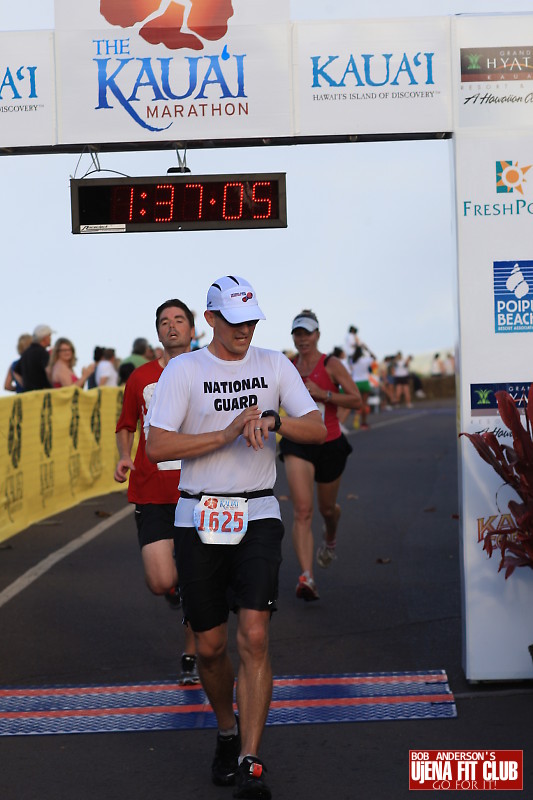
221, 520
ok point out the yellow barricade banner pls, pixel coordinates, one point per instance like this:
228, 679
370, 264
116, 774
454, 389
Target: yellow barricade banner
58, 448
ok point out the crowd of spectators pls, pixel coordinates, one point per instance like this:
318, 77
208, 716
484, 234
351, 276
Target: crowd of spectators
42, 366
386, 383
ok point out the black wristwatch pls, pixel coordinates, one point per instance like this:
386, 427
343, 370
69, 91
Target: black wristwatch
272, 413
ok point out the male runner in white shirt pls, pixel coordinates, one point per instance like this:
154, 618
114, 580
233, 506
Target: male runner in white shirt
217, 410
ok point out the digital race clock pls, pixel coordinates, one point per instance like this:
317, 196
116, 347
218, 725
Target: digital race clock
178, 203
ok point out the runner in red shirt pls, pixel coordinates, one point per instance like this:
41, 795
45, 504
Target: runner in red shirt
154, 488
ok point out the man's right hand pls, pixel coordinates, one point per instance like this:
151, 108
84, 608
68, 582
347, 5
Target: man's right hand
122, 469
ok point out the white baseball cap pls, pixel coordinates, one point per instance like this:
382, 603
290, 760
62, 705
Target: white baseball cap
235, 298
306, 320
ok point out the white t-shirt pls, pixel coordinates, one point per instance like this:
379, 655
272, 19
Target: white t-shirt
105, 369
200, 393
360, 369
401, 369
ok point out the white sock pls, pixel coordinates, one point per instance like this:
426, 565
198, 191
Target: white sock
229, 731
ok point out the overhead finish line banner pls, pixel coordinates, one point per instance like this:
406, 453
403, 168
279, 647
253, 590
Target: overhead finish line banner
126, 72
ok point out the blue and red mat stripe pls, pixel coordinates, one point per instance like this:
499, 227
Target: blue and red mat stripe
168, 706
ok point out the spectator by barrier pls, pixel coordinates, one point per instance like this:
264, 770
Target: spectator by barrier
58, 449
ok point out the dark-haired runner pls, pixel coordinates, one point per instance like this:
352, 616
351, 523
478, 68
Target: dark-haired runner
154, 489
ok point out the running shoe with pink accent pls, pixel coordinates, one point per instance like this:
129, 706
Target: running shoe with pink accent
306, 589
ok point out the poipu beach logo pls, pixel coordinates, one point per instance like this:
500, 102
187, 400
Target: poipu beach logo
176, 25
510, 177
513, 296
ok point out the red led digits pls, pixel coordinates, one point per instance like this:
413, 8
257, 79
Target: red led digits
169, 203
131, 204
200, 187
266, 200
142, 211
229, 200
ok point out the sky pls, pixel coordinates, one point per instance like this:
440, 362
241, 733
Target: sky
370, 238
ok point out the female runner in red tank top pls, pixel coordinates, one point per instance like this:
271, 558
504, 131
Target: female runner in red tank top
324, 464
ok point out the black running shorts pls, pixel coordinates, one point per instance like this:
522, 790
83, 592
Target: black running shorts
217, 578
329, 459
154, 522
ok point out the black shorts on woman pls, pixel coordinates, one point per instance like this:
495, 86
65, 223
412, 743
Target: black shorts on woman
217, 578
329, 459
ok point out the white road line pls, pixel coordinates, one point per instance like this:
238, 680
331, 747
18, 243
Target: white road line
393, 421
43, 566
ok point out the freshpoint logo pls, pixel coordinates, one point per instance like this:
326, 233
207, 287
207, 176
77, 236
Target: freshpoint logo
510, 179
513, 296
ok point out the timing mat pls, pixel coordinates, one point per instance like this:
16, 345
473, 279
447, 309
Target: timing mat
296, 700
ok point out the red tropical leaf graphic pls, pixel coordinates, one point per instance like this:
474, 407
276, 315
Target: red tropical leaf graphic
514, 465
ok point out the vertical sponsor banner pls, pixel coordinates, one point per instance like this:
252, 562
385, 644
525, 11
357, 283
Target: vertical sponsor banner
59, 449
493, 71
27, 89
495, 254
142, 70
378, 76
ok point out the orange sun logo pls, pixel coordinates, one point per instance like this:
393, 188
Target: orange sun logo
510, 177
174, 24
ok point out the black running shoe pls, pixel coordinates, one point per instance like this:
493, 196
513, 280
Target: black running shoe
226, 759
250, 780
189, 670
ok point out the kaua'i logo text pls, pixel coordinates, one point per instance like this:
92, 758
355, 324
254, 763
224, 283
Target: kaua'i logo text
176, 25
74, 427
14, 437
96, 418
510, 177
46, 424
156, 91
